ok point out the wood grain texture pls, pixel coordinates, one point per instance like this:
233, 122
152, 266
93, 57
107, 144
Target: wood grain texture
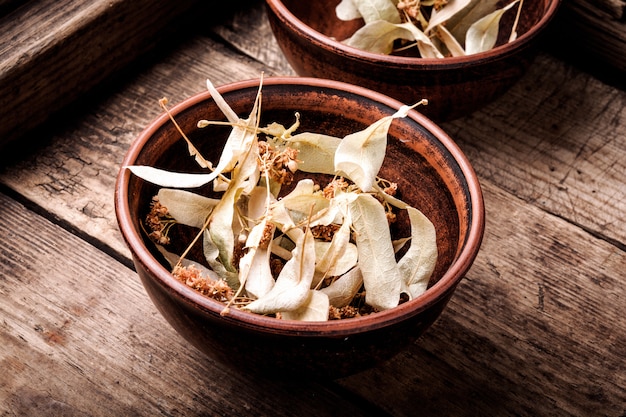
538, 327
249, 30
80, 337
592, 33
53, 51
69, 171
556, 140
7, 6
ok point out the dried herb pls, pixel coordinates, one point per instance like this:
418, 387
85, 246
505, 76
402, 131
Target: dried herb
313, 254
437, 28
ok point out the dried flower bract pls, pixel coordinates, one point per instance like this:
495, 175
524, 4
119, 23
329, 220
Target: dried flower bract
433, 28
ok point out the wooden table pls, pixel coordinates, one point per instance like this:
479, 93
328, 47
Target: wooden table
537, 328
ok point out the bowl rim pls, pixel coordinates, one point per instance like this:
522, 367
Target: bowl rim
326, 42
438, 291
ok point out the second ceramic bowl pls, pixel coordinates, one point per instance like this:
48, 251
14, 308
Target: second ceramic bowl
309, 34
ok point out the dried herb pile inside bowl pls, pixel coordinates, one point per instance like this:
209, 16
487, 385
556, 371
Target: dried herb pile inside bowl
319, 252
437, 28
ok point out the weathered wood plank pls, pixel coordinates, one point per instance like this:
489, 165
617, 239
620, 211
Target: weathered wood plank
7, 6
556, 140
592, 33
537, 328
62, 177
613, 9
53, 51
249, 31
487, 351
80, 337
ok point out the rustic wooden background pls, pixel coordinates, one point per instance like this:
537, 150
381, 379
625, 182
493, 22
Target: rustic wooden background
537, 328
593, 34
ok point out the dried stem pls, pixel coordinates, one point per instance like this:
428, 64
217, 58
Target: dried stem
514, 28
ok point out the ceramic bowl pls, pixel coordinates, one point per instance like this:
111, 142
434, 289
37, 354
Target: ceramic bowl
429, 168
309, 34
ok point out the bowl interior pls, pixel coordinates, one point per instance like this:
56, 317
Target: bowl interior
320, 16
431, 172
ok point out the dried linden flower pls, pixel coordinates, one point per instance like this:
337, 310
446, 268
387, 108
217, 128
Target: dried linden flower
303, 252
217, 289
158, 222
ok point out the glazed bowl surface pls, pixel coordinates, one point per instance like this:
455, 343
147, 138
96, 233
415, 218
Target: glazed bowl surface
310, 34
432, 174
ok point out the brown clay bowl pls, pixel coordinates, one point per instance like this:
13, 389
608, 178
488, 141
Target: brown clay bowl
309, 34
432, 174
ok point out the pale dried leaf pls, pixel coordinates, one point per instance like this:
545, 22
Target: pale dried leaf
360, 155
254, 267
170, 179
237, 144
445, 13
303, 201
230, 114
220, 184
418, 263
398, 244
242, 135
342, 290
381, 275
483, 34
315, 152
280, 216
297, 207
211, 253
347, 10
450, 42
337, 256
187, 208
379, 36
336, 212
513, 34
257, 205
373, 10
458, 24
426, 47
292, 286
315, 308
221, 229
396, 202
222, 234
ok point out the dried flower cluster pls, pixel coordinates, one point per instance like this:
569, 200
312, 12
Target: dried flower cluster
217, 289
158, 222
279, 164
